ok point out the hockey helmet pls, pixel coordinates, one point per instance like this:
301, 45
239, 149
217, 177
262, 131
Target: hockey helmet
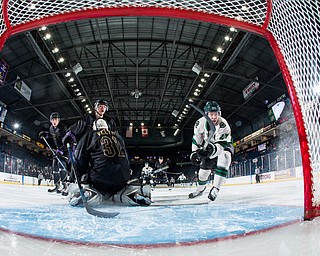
100, 124
54, 115
212, 106
101, 102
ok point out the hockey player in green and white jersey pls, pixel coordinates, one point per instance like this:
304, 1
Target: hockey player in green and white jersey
207, 146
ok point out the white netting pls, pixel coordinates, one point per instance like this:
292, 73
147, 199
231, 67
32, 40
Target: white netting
295, 24
252, 11
2, 24
299, 39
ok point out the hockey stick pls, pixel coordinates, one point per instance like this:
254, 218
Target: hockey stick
89, 209
212, 127
56, 155
160, 169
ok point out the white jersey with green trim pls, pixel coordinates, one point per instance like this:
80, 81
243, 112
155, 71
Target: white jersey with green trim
146, 171
202, 128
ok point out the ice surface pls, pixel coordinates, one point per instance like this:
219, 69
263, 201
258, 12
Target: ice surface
160, 230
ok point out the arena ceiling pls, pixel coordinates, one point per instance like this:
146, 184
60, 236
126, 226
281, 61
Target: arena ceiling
145, 68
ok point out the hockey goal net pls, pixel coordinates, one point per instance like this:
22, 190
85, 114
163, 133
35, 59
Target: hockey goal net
291, 27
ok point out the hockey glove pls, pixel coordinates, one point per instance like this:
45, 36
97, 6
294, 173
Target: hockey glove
202, 153
69, 138
59, 152
195, 159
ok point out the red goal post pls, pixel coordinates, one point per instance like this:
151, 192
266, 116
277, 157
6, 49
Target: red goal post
291, 27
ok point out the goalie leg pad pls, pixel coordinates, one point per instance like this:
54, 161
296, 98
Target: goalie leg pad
93, 197
129, 196
146, 190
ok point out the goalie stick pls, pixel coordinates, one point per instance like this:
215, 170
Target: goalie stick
89, 209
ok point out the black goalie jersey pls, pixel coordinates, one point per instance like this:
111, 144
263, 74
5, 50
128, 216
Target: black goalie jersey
101, 154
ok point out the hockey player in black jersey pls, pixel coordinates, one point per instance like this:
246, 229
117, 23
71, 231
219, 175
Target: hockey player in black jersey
56, 132
100, 155
77, 130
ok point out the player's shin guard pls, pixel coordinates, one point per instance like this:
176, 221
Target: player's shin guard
203, 177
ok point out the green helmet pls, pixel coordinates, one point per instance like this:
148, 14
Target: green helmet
211, 106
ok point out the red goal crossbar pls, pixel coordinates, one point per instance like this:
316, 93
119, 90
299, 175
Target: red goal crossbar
283, 23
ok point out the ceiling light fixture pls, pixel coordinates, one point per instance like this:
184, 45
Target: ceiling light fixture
61, 59
136, 93
47, 36
176, 132
215, 58
219, 49
55, 50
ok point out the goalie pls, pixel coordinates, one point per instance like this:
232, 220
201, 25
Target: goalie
100, 156
220, 147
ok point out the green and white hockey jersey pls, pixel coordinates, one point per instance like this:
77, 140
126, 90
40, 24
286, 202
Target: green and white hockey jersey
222, 134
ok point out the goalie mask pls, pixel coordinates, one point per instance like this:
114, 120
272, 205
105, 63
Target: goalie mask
100, 124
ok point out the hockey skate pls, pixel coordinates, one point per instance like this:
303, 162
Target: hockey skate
213, 193
197, 193
64, 190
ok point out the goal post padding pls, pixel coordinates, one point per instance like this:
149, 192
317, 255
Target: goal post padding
291, 27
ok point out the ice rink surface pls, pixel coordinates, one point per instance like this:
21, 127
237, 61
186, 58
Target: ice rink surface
252, 219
